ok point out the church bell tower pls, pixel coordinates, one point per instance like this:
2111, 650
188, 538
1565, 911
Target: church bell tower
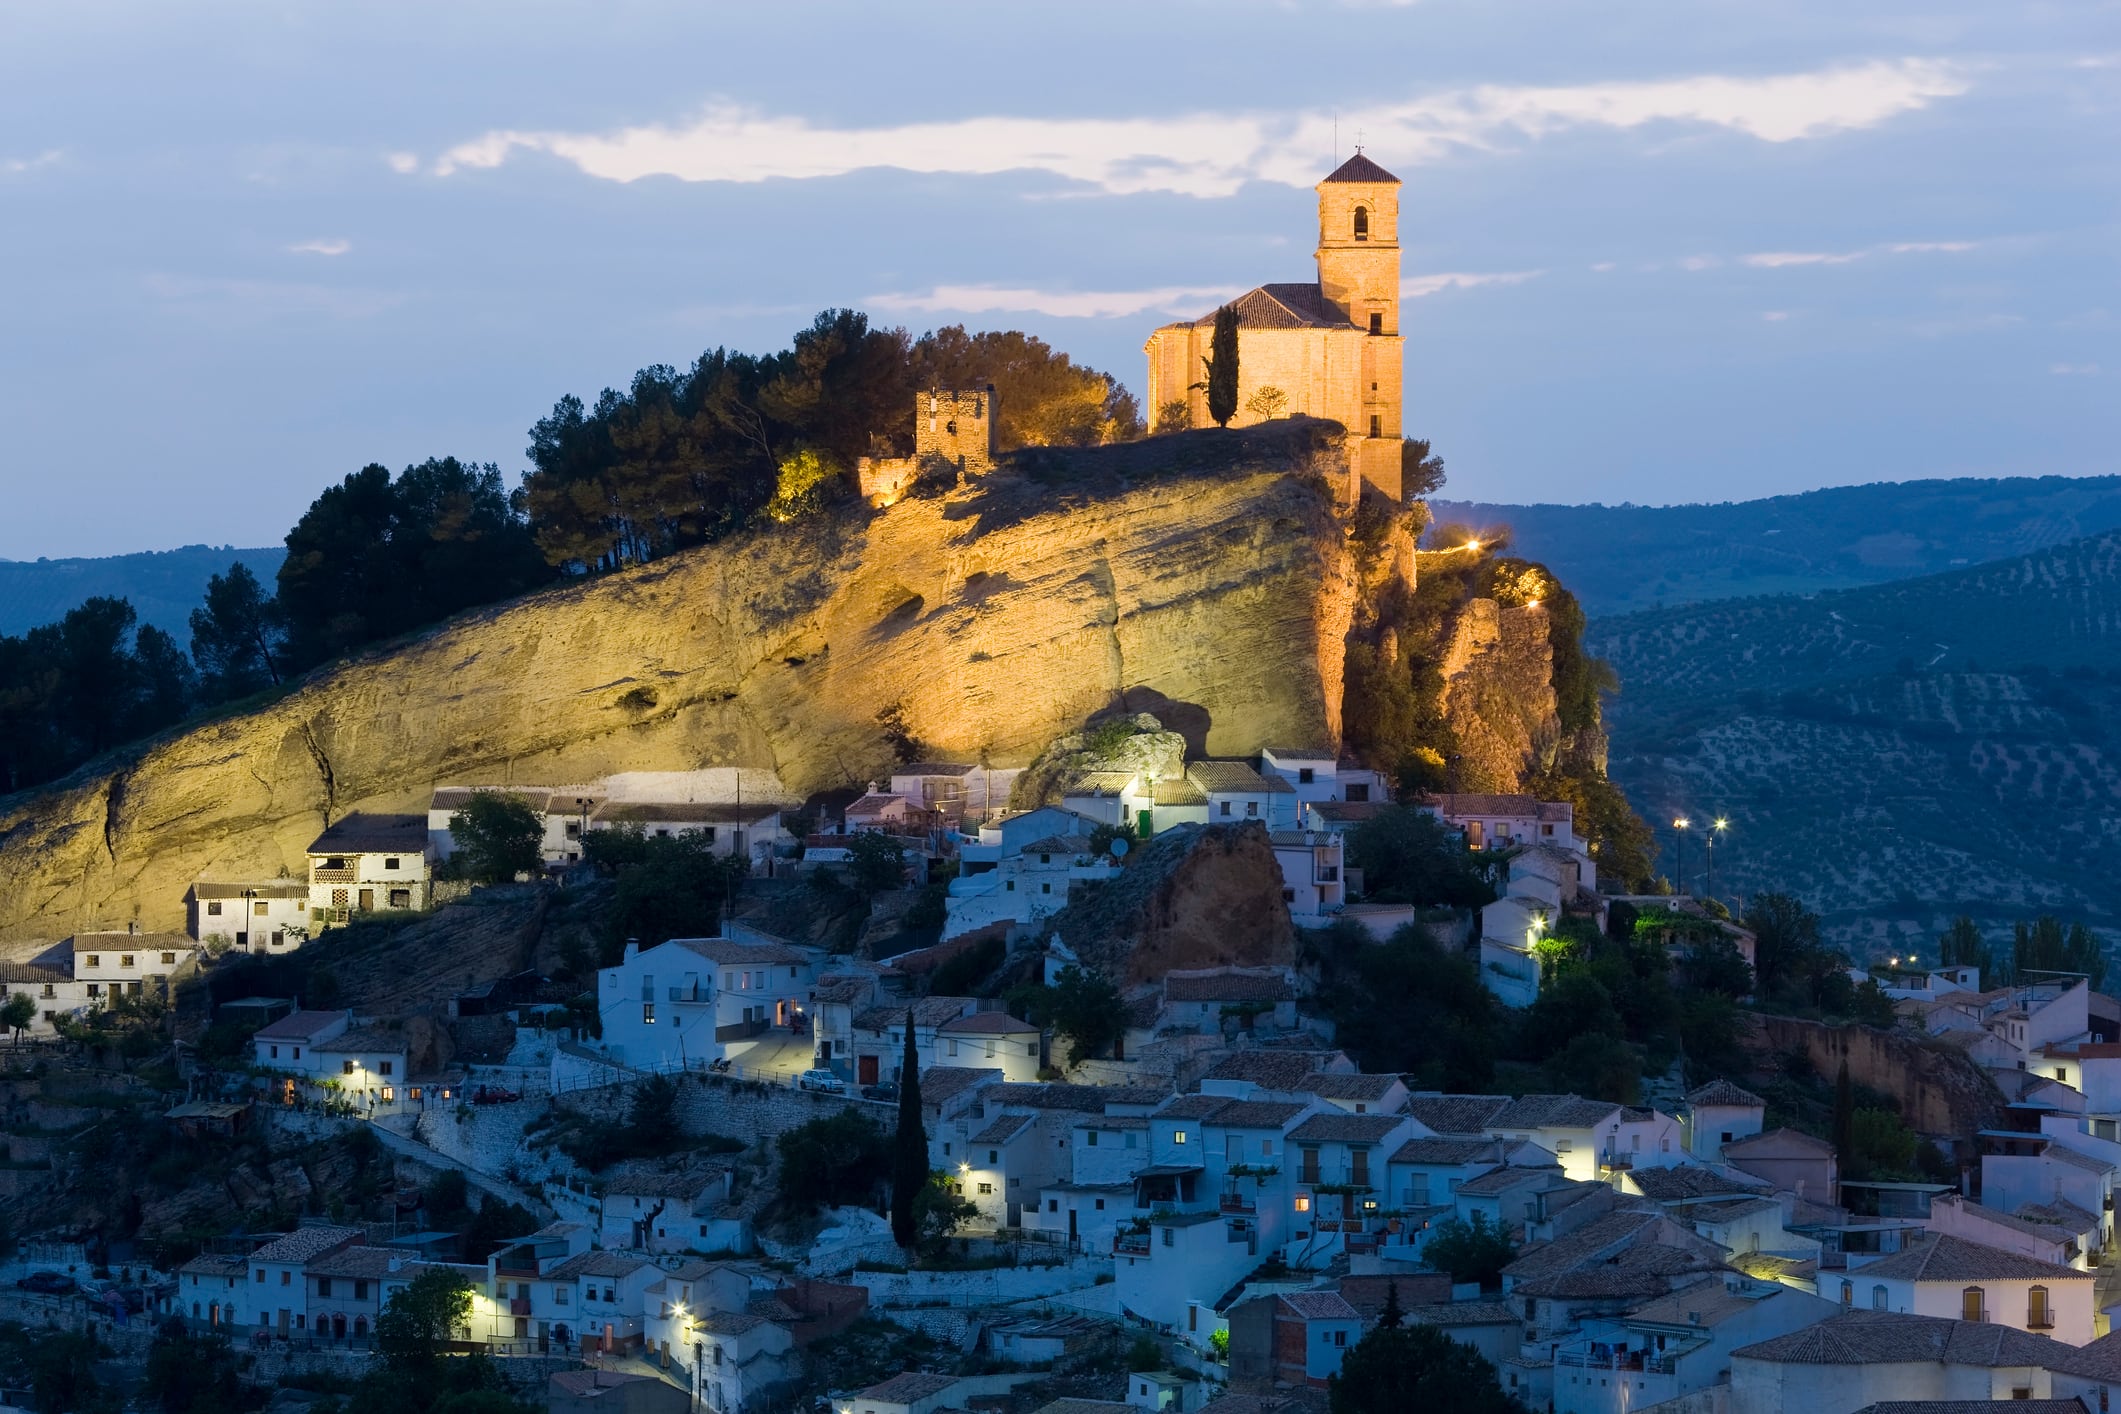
1358, 279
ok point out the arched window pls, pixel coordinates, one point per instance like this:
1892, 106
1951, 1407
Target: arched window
1362, 223
1877, 1298
1848, 1294
1971, 1305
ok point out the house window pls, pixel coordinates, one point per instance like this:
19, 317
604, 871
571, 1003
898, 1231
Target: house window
559, 1296
284, 1279
1377, 323
1848, 1294
261, 1276
323, 1286
1305, 775
1178, 1136
1170, 1236
1340, 1339
360, 1290
1251, 807
96, 989
1100, 1205
648, 1013
1303, 1202
1377, 425
2039, 1316
986, 1188
1971, 1305
994, 1156
389, 1094
401, 898
1358, 794
384, 1067
346, 1067
1362, 223
260, 909
1091, 1139
1225, 805
213, 910
95, 959
1053, 1205
334, 864
275, 1051
1878, 1298
169, 959
390, 863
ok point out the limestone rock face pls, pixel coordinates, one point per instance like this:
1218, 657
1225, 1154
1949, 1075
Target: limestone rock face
1145, 747
1498, 695
1194, 896
1207, 569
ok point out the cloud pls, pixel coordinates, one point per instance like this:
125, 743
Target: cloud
1775, 316
1213, 154
404, 163
2073, 369
333, 245
1776, 259
1060, 304
1416, 286
1699, 262
1603, 266
47, 158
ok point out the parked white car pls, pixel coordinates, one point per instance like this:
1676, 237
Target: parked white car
823, 1080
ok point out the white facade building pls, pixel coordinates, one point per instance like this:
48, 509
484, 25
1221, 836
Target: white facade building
265, 916
692, 1001
368, 864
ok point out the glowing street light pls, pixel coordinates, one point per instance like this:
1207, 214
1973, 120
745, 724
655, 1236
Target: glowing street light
1714, 831
1679, 829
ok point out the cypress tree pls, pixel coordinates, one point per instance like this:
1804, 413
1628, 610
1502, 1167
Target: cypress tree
909, 1152
1392, 1317
1222, 367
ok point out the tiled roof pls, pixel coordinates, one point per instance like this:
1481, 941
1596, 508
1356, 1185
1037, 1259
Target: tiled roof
1100, 783
987, 1023
1227, 987
298, 1026
1447, 1151
1191, 1106
370, 1262
873, 803
362, 833
306, 1242
1728, 1209
207, 1264
30, 973
1456, 1114
1350, 811
1551, 1112
1319, 1305
1254, 1114
2100, 1360
677, 812
1723, 1092
1463, 1313
1954, 1259
935, 768
731, 1322
2060, 1212
1084, 1406
1090, 1099
1234, 777
597, 1264
2076, 1160
1281, 306
1272, 1069
1781, 1136
1708, 1304
658, 1185
1002, 1128
927, 1011
1591, 1242
274, 888
1506, 1177
945, 1081
1687, 1181
907, 1388
1971, 1406
1519, 806
1177, 791
1360, 169
364, 1038
1329, 1086
734, 953
1346, 1129
1302, 753
843, 989
1890, 1338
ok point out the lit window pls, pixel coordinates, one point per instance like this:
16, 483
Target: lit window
1178, 1136
1303, 1202
648, 1013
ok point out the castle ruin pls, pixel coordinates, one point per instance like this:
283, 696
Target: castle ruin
953, 436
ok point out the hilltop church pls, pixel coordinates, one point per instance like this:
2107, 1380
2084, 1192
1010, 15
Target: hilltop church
1333, 347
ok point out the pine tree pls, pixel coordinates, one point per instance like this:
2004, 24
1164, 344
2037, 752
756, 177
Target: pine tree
1222, 367
909, 1153
1392, 1317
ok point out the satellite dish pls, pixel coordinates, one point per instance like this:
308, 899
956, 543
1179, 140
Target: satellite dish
1118, 846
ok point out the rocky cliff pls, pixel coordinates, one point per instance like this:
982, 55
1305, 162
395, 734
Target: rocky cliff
1195, 896
1206, 571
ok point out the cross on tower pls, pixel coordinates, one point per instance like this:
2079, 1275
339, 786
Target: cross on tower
1358, 140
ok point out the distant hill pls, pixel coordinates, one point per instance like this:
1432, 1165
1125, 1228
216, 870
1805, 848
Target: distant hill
163, 585
1895, 754
1621, 558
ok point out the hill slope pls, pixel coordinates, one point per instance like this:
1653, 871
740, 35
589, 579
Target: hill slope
1896, 754
163, 585
1622, 558
1206, 569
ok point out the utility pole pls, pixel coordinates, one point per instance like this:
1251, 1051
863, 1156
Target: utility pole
1679, 828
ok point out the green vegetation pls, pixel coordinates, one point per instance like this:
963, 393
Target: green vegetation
1396, 1368
1410, 856
497, 837
1221, 366
1407, 1005
1475, 1250
961, 974
875, 862
191, 1373
836, 1160
669, 886
650, 1130
1081, 1005
909, 1149
416, 1373
238, 636
73, 689
58, 1368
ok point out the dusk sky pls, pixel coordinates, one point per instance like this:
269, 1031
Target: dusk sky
1655, 252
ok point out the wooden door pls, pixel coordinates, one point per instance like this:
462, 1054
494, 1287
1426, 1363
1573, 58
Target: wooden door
865, 1070
368, 900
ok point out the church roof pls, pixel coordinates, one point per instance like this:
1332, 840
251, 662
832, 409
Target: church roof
1360, 169
1294, 306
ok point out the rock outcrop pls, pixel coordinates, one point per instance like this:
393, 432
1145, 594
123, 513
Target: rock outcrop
1208, 570
1194, 896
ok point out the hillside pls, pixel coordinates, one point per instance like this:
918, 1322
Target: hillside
164, 586
1206, 570
1618, 559
1896, 754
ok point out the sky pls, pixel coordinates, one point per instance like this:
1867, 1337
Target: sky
1654, 252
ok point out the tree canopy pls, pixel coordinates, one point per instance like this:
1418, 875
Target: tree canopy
1393, 1369
496, 837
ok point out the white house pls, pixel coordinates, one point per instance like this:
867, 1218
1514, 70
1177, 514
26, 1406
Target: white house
368, 864
659, 1212
1006, 835
879, 1034
1991, 1227
2018, 1168
607, 1291
1318, 775
990, 1040
277, 1295
1721, 1113
1864, 1357
913, 1392
323, 1050
1236, 792
955, 789
52, 988
691, 1001
264, 916
1313, 874
113, 965
1957, 1279
737, 810
1675, 1345
1592, 1139
1542, 880
1024, 887
1508, 821
1204, 1000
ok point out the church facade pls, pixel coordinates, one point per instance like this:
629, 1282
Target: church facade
1333, 347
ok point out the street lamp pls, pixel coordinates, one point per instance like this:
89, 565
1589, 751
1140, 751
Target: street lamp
1709, 839
1679, 828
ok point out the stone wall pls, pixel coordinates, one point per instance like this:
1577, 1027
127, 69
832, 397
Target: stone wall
748, 1110
1940, 1091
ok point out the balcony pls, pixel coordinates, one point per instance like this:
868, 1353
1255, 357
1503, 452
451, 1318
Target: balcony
335, 876
1615, 1159
518, 1305
2040, 1320
692, 996
1326, 874
1130, 1244
1238, 1203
